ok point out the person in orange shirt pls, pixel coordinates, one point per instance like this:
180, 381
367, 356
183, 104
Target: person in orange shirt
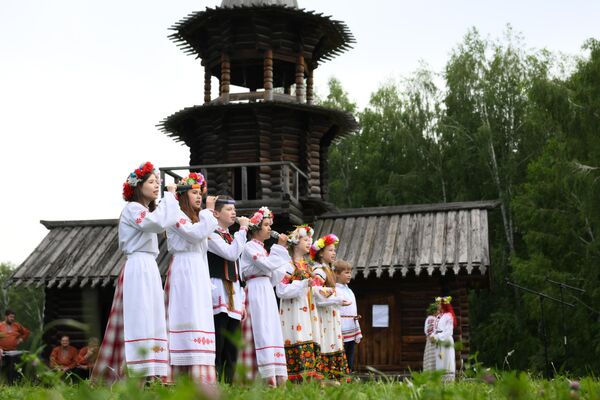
87, 357
64, 357
12, 333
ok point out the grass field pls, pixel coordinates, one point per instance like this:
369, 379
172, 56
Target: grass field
419, 386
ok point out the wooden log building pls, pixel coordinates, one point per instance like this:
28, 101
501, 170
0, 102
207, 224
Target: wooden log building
268, 146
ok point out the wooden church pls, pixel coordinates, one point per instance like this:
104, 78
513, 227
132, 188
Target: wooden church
267, 144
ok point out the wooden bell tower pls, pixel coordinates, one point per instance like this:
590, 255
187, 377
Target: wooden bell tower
260, 138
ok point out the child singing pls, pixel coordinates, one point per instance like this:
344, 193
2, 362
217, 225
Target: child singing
224, 250
299, 315
262, 271
333, 358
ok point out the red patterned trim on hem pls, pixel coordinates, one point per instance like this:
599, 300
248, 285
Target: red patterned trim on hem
191, 351
148, 361
192, 330
270, 347
145, 339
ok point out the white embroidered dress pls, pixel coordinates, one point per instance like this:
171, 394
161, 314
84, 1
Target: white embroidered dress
144, 325
299, 321
262, 271
231, 252
429, 353
333, 356
350, 327
444, 349
191, 326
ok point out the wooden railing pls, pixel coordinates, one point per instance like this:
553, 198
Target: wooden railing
255, 96
293, 181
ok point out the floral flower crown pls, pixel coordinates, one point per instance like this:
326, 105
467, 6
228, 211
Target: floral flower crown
322, 243
298, 233
259, 215
443, 300
195, 180
134, 178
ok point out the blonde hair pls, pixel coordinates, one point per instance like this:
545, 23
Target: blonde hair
341, 266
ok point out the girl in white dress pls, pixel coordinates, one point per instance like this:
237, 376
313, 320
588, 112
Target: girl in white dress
262, 271
442, 337
429, 353
188, 288
299, 315
333, 358
136, 334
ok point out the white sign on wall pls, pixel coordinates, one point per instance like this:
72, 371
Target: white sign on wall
381, 315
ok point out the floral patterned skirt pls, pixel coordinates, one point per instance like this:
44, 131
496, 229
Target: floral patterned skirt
303, 361
334, 366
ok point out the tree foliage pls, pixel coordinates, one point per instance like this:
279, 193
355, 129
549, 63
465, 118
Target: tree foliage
503, 126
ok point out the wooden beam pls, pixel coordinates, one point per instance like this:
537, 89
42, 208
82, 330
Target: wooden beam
225, 78
300, 78
207, 78
268, 75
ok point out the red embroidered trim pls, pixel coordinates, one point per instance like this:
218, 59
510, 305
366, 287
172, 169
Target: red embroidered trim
192, 330
270, 347
148, 361
191, 351
203, 341
141, 340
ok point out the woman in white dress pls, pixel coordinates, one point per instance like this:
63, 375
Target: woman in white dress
299, 315
188, 288
333, 357
444, 342
136, 334
429, 353
262, 271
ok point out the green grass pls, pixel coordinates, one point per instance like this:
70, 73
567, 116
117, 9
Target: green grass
420, 386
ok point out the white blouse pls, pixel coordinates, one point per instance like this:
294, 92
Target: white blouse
138, 226
186, 236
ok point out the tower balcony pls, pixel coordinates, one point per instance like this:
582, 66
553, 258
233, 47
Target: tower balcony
279, 185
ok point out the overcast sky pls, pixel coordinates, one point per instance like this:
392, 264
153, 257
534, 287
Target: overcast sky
83, 84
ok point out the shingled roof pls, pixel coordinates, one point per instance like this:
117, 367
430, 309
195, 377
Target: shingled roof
445, 237
78, 253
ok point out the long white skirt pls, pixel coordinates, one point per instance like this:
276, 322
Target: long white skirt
190, 316
445, 360
266, 328
145, 330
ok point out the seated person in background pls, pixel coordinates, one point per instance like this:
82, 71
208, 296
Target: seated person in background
87, 357
12, 333
63, 357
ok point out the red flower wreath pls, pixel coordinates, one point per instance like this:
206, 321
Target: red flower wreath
135, 178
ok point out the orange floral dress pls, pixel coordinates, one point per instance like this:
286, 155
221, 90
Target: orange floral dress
299, 323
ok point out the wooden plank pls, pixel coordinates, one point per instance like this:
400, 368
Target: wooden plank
345, 238
423, 256
485, 251
450, 237
355, 242
438, 244
463, 239
390, 240
367, 243
475, 238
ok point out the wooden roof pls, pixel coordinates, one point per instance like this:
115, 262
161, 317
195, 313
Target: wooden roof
78, 253
445, 237
431, 237
245, 31
249, 3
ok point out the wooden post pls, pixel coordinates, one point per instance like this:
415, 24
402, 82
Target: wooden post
207, 78
297, 188
268, 75
286, 178
300, 78
244, 183
225, 77
309, 87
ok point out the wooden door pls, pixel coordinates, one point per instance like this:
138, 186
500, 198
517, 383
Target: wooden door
380, 347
